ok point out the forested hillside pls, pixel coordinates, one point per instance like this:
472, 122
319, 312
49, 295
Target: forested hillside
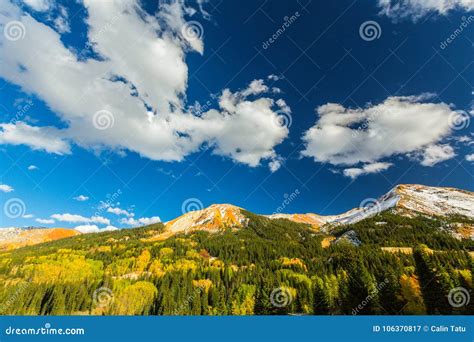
269, 267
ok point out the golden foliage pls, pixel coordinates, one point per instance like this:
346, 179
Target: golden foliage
411, 293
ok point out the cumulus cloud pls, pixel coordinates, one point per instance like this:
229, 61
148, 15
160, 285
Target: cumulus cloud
131, 98
143, 221
398, 126
255, 87
470, 157
38, 5
32, 167
118, 211
274, 165
6, 188
416, 9
81, 198
73, 218
37, 138
366, 169
44, 221
435, 154
92, 228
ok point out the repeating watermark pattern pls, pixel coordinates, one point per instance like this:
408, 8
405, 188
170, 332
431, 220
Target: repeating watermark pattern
459, 120
22, 109
283, 119
192, 30
281, 297
371, 296
103, 119
288, 21
102, 297
110, 201
185, 304
370, 30
457, 32
288, 198
14, 30
198, 109
458, 297
108, 25
18, 292
371, 204
365, 125
191, 204
14, 208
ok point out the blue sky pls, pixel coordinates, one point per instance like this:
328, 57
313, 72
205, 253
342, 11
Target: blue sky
119, 114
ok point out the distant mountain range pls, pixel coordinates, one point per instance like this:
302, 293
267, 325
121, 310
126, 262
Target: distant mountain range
405, 199
408, 252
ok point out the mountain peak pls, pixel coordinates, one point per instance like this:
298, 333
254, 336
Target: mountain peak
439, 201
213, 218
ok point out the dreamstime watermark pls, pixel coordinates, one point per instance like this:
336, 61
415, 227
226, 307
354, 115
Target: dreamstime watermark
288, 21
21, 111
14, 208
14, 30
370, 204
103, 119
457, 32
282, 119
367, 121
459, 296
281, 297
198, 109
287, 199
109, 202
189, 299
19, 290
108, 25
370, 30
192, 30
191, 204
102, 297
46, 330
459, 120
369, 297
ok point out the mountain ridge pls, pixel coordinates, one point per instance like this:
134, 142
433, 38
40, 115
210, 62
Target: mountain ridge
405, 199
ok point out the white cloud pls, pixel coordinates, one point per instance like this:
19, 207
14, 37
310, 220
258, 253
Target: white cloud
6, 188
274, 165
118, 211
143, 221
470, 157
284, 108
73, 218
92, 228
37, 138
61, 22
274, 78
255, 87
147, 104
366, 169
435, 154
81, 198
38, 5
28, 216
32, 167
398, 126
44, 221
416, 9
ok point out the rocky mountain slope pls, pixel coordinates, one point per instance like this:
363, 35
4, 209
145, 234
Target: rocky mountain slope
406, 200
12, 238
